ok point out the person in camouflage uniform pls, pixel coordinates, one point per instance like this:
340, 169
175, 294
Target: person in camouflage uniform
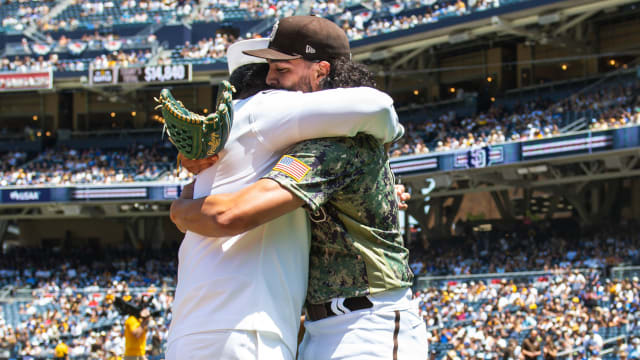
358, 299
356, 246
356, 254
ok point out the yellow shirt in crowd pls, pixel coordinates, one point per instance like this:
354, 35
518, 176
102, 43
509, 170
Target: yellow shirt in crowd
61, 351
133, 346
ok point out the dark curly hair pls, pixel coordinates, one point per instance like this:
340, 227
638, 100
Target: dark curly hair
345, 73
249, 79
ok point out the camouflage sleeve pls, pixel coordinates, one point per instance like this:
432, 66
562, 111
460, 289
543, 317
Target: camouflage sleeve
315, 170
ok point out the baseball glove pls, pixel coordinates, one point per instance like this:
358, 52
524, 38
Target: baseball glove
196, 136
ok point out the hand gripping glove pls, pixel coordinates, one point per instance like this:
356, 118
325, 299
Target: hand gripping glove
196, 136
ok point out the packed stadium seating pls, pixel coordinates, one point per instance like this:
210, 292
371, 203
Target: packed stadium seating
609, 105
18, 14
93, 166
72, 300
507, 251
495, 317
205, 51
488, 316
492, 314
85, 17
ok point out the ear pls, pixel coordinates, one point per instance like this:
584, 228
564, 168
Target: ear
322, 70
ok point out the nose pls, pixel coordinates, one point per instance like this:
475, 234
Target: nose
272, 78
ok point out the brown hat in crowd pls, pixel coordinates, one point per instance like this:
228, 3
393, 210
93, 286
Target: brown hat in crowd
305, 37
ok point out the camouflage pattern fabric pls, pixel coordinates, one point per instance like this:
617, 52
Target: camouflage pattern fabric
356, 245
196, 136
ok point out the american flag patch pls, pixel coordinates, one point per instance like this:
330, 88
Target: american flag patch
292, 167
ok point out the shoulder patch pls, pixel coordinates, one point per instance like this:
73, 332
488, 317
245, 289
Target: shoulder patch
293, 167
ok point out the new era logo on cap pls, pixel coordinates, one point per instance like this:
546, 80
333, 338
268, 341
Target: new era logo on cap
273, 31
310, 50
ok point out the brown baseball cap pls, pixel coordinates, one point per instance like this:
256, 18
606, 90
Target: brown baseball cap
306, 37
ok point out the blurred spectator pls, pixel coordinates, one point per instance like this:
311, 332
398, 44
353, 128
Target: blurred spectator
135, 335
208, 48
550, 350
120, 58
531, 346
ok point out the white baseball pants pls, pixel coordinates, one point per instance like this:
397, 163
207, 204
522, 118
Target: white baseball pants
229, 345
391, 330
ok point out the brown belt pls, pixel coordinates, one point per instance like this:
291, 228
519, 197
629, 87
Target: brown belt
317, 312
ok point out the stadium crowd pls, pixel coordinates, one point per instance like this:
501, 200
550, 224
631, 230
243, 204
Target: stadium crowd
575, 306
104, 61
217, 10
207, 49
72, 300
26, 13
92, 166
532, 247
528, 318
97, 14
610, 107
386, 17
382, 18
120, 58
27, 64
605, 108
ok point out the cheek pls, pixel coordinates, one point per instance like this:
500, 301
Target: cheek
288, 79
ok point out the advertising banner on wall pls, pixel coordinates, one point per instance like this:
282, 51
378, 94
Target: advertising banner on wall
26, 195
151, 74
26, 81
102, 76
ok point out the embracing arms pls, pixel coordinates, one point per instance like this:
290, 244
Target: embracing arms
231, 214
283, 118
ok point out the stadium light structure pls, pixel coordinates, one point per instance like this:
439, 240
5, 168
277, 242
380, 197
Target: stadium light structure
538, 169
549, 19
460, 37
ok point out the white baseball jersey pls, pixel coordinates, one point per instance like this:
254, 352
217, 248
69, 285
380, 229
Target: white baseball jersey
258, 280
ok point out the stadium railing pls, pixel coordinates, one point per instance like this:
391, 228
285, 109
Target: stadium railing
125, 43
429, 281
511, 152
625, 272
24, 294
606, 346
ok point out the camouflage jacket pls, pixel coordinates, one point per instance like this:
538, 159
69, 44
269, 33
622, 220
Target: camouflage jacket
356, 245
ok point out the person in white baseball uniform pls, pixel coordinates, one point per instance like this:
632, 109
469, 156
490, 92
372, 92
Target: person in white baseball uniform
358, 302
241, 296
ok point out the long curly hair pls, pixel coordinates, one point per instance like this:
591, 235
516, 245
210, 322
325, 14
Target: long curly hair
345, 73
